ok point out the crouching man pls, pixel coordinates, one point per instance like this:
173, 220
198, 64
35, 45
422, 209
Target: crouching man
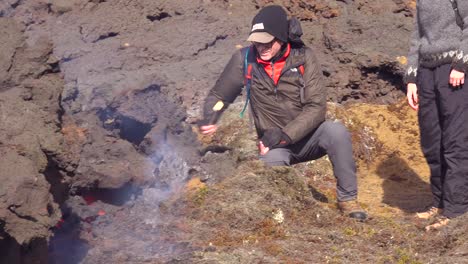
283, 83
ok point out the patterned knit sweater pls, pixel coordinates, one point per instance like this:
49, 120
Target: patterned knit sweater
437, 39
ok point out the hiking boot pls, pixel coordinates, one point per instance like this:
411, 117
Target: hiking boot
352, 209
438, 223
429, 213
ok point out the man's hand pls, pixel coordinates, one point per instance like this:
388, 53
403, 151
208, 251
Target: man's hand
208, 129
262, 149
274, 137
271, 137
412, 95
457, 78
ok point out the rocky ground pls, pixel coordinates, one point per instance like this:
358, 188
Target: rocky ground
101, 161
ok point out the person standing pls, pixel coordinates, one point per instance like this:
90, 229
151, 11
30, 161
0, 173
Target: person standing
436, 88
288, 102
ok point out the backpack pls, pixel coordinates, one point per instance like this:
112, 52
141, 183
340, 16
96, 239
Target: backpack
294, 39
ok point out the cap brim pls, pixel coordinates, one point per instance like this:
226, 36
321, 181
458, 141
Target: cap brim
260, 37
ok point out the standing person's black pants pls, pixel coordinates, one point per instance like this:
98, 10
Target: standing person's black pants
443, 121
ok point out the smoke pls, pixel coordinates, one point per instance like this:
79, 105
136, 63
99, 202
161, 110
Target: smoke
129, 223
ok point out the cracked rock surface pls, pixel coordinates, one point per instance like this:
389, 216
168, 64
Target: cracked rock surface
101, 95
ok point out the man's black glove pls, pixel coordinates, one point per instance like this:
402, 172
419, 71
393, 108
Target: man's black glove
275, 138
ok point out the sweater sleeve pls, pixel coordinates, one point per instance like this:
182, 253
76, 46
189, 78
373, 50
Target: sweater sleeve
413, 55
460, 63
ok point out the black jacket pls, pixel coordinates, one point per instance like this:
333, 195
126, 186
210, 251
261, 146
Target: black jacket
297, 104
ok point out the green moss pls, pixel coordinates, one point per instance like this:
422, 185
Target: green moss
370, 232
404, 257
350, 231
200, 195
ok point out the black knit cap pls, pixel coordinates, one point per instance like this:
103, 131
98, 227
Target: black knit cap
270, 22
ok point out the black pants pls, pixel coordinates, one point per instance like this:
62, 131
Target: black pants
443, 122
330, 138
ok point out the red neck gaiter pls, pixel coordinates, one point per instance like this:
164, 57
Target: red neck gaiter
274, 67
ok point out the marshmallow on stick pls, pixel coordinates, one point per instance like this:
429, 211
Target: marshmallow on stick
216, 108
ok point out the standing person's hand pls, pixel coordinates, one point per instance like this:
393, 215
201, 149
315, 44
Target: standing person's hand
412, 95
457, 78
208, 129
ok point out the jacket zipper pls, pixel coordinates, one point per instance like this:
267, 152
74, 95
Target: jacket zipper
273, 77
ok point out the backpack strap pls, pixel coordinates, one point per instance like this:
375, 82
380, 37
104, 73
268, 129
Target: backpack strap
301, 69
301, 91
247, 80
458, 18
